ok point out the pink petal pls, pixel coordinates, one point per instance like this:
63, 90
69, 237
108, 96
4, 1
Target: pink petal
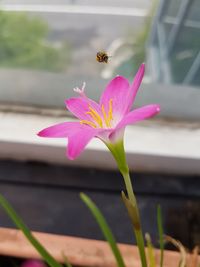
135, 86
116, 90
78, 141
63, 129
80, 105
138, 115
78, 136
103, 134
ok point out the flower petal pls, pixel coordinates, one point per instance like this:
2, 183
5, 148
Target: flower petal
78, 136
80, 105
135, 86
138, 115
116, 90
63, 129
78, 141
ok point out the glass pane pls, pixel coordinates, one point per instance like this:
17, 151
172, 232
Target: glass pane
173, 8
51, 46
178, 42
194, 12
184, 53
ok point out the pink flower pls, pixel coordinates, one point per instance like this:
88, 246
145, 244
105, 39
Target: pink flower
105, 120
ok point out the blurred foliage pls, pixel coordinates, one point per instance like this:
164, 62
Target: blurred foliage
23, 43
137, 44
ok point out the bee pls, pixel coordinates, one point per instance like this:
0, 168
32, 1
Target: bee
102, 57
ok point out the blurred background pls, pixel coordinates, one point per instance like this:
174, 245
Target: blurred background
49, 47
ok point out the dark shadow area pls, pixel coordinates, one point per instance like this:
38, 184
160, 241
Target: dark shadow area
47, 198
10, 261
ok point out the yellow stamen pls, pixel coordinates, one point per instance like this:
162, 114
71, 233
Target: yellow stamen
105, 116
110, 112
90, 123
109, 117
96, 117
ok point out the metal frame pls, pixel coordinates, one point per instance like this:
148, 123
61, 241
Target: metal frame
193, 70
176, 29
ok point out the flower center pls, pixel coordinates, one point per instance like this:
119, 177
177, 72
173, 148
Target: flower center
98, 120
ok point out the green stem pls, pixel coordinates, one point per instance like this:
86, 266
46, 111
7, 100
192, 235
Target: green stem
137, 226
118, 153
129, 187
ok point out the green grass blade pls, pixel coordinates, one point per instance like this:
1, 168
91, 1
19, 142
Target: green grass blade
150, 251
66, 261
104, 228
161, 234
20, 224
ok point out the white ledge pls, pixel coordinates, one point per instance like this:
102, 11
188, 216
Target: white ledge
76, 9
151, 146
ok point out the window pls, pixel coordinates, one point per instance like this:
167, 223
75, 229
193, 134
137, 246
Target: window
49, 47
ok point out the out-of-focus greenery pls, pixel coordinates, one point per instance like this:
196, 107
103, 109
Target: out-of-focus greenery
23, 44
138, 43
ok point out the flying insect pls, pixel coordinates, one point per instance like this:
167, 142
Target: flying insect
102, 57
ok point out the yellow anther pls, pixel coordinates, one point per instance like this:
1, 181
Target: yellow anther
90, 123
96, 117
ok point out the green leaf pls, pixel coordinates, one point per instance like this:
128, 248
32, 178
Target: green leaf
20, 224
150, 250
104, 228
132, 211
161, 234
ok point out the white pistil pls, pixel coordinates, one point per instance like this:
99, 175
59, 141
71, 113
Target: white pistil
80, 91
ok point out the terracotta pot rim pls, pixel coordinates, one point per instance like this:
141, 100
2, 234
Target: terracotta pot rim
79, 251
